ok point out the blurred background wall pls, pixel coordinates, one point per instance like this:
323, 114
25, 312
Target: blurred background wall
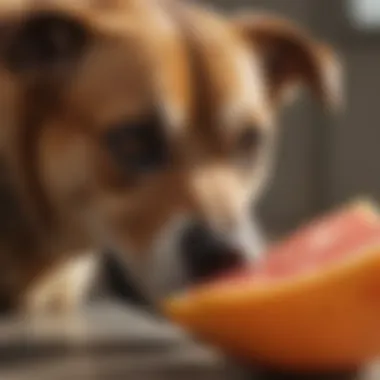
325, 161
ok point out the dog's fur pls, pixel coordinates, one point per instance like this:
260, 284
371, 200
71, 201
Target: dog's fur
77, 76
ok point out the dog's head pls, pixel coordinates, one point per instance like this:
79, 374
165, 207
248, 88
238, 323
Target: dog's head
143, 119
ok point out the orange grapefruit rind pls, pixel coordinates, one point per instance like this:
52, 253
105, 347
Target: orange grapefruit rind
324, 319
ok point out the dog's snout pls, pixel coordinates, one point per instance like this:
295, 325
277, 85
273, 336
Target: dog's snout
207, 254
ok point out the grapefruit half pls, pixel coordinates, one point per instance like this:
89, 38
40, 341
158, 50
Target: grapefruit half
312, 304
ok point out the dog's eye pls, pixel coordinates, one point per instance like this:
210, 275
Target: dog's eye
138, 148
248, 143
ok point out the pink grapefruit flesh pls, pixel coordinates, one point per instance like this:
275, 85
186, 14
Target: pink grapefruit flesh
312, 303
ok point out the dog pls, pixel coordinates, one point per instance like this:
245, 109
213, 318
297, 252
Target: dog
146, 126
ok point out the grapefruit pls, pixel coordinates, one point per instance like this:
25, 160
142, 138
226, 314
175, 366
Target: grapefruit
313, 303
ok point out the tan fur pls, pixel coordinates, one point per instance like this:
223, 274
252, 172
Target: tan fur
204, 76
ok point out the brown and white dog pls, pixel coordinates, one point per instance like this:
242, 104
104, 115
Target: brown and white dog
142, 125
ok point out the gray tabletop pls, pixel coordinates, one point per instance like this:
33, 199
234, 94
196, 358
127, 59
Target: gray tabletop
105, 342
112, 342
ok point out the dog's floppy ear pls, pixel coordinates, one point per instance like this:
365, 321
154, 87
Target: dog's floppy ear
292, 58
43, 40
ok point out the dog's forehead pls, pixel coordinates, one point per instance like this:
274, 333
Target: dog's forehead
137, 58
163, 61
247, 98
227, 72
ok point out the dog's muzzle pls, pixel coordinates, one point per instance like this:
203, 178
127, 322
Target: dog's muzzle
188, 252
206, 253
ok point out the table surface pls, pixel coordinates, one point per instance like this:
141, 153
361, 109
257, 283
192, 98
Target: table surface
112, 342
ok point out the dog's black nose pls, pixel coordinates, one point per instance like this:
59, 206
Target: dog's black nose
205, 254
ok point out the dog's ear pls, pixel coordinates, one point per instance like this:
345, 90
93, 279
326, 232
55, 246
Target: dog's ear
43, 41
292, 58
